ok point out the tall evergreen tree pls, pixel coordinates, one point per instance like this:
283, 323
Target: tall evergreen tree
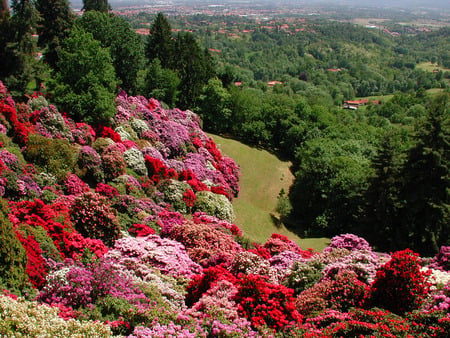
125, 46
427, 182
56, 21
18, 47
160, 44
381, 205
96, 5
194, 67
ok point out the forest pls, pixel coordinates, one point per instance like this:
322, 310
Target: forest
116, 206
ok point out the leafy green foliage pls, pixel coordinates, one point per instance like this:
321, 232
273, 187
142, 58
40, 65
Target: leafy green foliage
86, 83
13, 258
125, 46
96, 5
55, 156
427, 181
56, 20
161, 83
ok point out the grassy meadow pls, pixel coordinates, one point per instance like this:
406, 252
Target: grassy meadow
263, 176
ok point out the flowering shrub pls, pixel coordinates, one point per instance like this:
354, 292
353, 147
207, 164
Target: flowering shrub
166, 255
37, 103
364, 263
106, 132
266, 304
90, 164
28, 319
36, 265
205, 245
279, 243
250, 264
347, 291
21, 130
440, 300
400, 286
195, 279
189, 198
113, 164
201, 283
135, 160
106, 190
348, 241
50, 123
93, 217
442, 260
141, 230
83, 134
74, 185
303, 275
214, 205
174, 194
220, 224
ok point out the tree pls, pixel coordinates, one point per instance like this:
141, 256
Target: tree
125, 46
426, 191
56, 21
161, 83
96, 5
381, 202
160, 44
86, 83
194, 66
18, 48
214, 107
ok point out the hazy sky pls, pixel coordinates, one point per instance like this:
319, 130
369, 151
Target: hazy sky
357, 3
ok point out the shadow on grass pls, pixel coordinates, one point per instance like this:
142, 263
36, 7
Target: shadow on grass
276, 221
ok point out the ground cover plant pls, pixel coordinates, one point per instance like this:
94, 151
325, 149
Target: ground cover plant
136, 237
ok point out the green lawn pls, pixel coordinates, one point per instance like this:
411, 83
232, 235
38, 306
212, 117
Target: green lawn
429, 67
263, 175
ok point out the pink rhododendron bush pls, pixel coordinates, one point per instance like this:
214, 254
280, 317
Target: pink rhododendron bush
127, 230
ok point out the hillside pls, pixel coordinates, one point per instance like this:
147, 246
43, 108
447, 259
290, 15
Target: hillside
127, 231
263, 175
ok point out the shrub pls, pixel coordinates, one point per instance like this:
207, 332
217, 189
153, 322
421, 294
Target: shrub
205, 245
90, 165
266, 304
135, 160
13, 257
174, 194
201, 283
442, 260
51, 124
57, 157
20, 318
348, 241
106, 190
214, 205
141, 230
303, 275
93, 217
167, 255
400, 286
113, 165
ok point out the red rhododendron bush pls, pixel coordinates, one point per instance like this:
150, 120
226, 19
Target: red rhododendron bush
127, 230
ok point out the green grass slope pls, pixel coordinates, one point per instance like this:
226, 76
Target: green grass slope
263, 175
